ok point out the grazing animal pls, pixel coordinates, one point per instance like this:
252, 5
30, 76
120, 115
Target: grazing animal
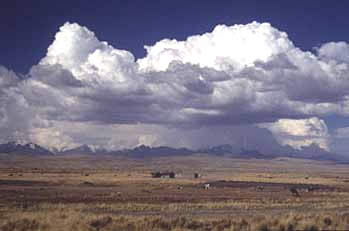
310, 189
260, 188
294, 192
88, 183
180, 187
207, 186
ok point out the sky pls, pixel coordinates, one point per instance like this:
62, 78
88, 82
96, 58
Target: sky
117, 74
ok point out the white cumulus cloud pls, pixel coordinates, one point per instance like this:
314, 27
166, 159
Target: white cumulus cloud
300, 132
233, 76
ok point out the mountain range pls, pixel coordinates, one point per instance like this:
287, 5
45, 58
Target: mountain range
310, 152
28, 148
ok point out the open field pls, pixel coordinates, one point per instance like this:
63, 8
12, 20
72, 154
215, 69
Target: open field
118, 193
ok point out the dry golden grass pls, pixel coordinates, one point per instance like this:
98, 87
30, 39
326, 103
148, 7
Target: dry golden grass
75, 217
114, 193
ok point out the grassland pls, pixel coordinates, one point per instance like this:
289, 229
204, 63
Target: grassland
118, 193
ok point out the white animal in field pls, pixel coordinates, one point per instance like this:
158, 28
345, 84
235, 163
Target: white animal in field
207, 186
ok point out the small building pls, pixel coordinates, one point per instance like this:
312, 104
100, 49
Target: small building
163, 175
156, 174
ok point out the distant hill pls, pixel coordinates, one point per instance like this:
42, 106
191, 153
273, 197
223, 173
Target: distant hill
28, 149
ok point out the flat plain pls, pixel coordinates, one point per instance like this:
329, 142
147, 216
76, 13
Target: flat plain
79, 192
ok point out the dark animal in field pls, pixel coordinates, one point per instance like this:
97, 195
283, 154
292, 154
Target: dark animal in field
294, 192
260, 188
310, 189
87, 183
99, 224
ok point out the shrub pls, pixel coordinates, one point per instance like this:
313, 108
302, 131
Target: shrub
263, 227
101, 223
21, 225
327, 221
311, 228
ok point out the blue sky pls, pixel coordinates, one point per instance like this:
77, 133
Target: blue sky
28, 27
85, 67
